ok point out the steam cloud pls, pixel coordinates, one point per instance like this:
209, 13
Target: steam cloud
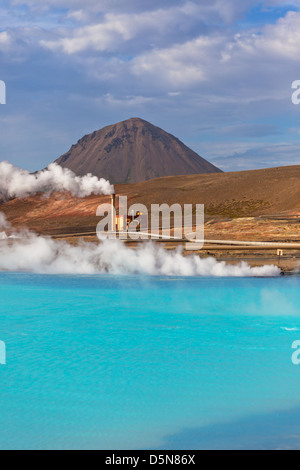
15, 182
32, 253
4, 224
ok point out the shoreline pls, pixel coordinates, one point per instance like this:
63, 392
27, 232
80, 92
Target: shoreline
255, 255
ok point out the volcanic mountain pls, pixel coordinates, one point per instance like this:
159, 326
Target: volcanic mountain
133, 151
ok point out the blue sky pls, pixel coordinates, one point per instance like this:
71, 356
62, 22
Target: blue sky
215, 73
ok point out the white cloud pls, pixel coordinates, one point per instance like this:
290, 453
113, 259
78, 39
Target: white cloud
283, 39
226, 57
274, 40
5, 41
182, 64
227, 8
127, 101
160, 25
81, 16
116, 29
4, 38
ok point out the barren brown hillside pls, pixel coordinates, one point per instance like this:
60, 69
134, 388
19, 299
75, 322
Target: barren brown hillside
240, 194
271, 192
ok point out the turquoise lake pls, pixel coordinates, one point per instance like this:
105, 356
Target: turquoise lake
105, 362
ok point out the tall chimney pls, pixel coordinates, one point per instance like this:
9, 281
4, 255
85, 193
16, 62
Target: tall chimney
113, 212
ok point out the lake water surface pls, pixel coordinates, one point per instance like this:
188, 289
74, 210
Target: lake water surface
106, 362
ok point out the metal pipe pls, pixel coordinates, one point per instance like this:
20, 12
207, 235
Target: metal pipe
113, 212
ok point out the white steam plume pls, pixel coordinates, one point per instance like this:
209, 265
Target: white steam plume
15, 182
32, 253
4, 224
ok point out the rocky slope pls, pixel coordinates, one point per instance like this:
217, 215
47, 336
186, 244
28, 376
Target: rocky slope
133, 151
